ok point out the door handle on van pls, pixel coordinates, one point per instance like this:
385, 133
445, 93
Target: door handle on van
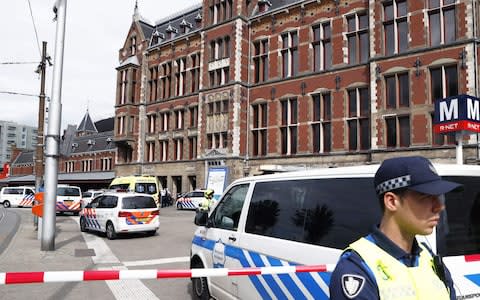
232, 238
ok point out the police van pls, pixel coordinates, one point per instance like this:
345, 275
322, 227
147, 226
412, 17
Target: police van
144, 184
69, 199
19, 196
308, 218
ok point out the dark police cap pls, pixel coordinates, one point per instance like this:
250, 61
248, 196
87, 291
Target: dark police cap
413, 172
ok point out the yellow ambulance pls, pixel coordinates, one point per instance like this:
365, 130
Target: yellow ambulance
144, 184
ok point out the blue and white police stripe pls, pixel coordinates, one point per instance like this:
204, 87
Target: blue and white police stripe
280, 286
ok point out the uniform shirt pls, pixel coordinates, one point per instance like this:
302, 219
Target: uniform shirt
351, 263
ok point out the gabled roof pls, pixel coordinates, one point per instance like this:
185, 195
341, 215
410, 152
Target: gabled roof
275, 5
24, 158
86, 125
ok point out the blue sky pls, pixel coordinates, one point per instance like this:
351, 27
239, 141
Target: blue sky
95, 31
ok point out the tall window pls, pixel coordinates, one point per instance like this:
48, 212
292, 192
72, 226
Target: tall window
259, 130
192, 147
133, 45
69, 166
322, 46
321, 123
131, 124
151, 151
178, 154
164, 120
121, 123
153, 84
193, 112
87, 165
289, 54
358, 119
151, 123
441, 18
164, 150
357, 37
179, 119
106, 163
166, 80
219, 76
260, 60
123, 86
444, 84
134, 86
397, 90
220, 11
289, 126
395, 26
195, 72
398, 131
180, 76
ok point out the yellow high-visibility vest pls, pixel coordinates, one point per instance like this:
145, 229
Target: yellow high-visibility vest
395, 280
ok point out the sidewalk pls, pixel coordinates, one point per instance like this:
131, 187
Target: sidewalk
20, 252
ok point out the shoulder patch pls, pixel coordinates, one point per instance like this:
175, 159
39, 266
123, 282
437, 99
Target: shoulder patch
352, 285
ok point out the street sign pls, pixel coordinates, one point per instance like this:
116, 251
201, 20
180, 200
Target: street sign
456, 114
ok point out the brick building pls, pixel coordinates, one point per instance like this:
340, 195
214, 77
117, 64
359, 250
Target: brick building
87, 157
264, 85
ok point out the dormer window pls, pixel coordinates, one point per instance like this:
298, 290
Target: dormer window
185, 26
157, 37
171, 31
198, 19
263, 5
133, 45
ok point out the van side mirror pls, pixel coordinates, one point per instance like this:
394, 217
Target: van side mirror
201, 218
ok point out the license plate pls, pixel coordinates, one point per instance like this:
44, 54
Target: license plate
143, 220
67, 202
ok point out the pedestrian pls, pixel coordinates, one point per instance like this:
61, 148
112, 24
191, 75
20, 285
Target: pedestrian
208, 200
390, 263
163, 195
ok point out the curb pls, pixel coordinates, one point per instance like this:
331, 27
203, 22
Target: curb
9, 224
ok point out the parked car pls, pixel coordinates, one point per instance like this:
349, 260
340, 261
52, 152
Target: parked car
88, 196
120, 212
191, 200
19, 196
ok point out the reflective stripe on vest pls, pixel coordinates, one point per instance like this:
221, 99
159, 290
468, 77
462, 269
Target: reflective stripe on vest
397, 281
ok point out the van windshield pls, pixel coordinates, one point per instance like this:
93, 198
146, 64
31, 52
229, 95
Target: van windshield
146, 188
138, 202
68, 191
458, 232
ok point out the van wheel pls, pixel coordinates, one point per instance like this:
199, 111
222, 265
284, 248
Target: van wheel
83, 225
6, 204
111, 234
179, 206
151, 232
200, 286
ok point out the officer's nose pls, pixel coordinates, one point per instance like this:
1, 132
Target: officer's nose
438, 203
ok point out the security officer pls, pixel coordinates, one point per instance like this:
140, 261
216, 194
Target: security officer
390, 263
207, 202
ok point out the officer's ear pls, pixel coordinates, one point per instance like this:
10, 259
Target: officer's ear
391, 201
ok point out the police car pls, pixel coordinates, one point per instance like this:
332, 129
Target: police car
120, 212
308, 218
191, 200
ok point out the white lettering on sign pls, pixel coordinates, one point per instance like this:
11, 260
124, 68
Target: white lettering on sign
449, 112
472, 109
475, 127
449, 127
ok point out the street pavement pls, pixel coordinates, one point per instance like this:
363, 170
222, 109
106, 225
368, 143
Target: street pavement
20, 251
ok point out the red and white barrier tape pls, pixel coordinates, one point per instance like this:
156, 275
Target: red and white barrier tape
89, 275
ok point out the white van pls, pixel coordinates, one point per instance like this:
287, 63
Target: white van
69, 199
308, 218
19, 196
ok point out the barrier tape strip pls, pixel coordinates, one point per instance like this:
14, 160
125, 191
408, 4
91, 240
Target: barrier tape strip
90, 275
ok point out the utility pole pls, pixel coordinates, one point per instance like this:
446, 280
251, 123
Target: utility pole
41, 121
52, 141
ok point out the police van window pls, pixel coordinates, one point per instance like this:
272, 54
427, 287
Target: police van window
315, 211
138, 202
68, 191
227, 212
458, 232
29, 192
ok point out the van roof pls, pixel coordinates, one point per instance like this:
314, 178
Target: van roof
360, 171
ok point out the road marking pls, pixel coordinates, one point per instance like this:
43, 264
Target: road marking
159, 261
121, 289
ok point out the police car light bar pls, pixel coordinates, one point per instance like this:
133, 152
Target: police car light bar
91, 275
